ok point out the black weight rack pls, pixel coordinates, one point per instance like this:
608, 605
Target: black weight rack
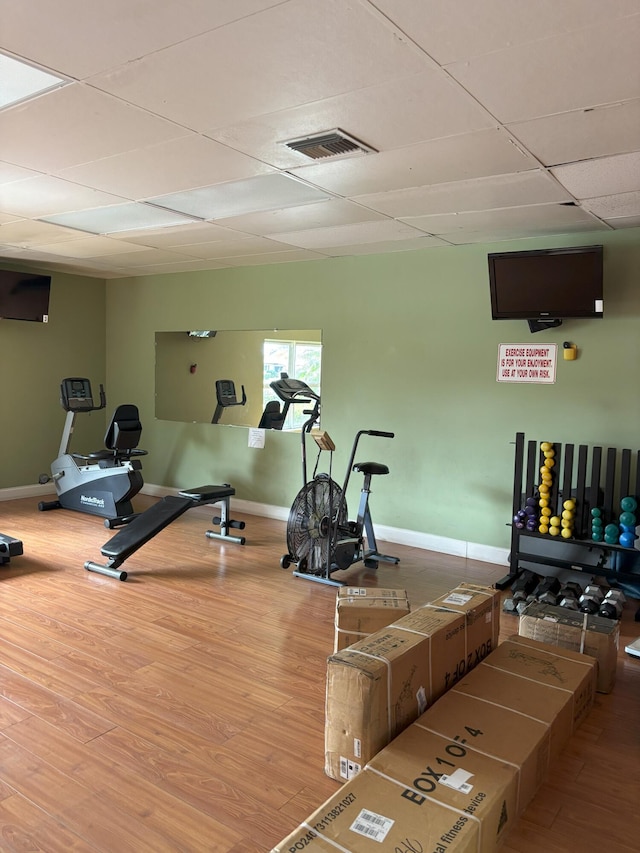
593, 477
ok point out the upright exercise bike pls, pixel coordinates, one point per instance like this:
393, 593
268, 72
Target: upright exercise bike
320, 538
102, 482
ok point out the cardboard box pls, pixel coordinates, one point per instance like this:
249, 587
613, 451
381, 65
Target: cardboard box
434, 769
370, 814
360, 611
563, 685
568, 629
500, 733
380, 685
459, 777
481, 608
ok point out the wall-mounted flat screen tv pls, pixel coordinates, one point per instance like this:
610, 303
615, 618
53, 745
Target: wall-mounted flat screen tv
546, 284
24, 296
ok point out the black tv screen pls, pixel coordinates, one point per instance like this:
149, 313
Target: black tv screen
546, 284
24, 296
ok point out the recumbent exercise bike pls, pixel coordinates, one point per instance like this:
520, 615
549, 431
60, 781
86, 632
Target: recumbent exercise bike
102, 482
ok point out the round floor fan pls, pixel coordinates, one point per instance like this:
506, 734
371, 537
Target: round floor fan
316, 521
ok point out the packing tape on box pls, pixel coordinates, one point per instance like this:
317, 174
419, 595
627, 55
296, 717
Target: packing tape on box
387, 663
583, 633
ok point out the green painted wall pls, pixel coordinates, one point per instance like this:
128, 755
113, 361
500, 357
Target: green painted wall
409, 346
34, 357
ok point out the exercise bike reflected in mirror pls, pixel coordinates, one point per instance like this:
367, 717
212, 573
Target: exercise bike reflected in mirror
104, 481
321, 539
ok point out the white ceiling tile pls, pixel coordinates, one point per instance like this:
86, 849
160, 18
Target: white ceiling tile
532, 187
95, 36
581, 134
44, 195
117, 217
204, 95
518, 232
614, 206
28, 232
472, 155
231, 247
362, 232
385, 246
283, 257
605, 176
393, 114
178, 164
450, 31
95, 125
174, 236
536, 216
141, 255
334, 211
8, 217
624, 222
295, 53
10, 173
184, 265
90, 247
580, 70
265, 192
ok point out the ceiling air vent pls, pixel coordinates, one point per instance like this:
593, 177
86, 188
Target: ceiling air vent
330, 143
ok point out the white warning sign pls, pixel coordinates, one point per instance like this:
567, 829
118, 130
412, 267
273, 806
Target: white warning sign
527, 363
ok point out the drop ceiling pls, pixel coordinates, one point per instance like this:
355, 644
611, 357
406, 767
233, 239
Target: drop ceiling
164, 148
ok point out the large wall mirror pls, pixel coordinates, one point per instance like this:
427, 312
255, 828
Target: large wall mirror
194, 370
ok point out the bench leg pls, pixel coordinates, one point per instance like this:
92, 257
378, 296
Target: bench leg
225, 523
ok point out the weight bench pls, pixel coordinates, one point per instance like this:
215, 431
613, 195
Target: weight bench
9, 547
147, 524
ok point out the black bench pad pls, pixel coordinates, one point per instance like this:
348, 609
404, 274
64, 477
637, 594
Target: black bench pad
160, 515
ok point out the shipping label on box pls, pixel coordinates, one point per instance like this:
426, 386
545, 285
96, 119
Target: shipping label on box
360, 611
433, 768
591, 635
369, 814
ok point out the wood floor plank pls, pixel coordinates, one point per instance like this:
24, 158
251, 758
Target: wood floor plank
183, 710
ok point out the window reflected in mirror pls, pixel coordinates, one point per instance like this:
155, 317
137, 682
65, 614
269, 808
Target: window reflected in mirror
223, 377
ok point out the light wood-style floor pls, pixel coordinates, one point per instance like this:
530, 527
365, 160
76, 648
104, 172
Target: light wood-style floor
183, 710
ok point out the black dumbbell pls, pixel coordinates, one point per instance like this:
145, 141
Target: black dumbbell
547, 590
523, 585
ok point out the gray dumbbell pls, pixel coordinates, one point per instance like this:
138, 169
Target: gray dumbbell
591, 599
611, 607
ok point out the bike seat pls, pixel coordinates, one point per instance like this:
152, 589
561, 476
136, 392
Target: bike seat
369, 468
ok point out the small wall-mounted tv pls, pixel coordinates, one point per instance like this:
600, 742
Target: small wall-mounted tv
546, 284
24, 296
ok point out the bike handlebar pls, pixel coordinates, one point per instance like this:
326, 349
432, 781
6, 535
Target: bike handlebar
380, 434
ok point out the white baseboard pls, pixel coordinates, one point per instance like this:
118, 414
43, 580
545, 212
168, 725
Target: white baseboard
401, 536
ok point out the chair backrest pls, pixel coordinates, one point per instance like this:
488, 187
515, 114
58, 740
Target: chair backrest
272, 417
125, 429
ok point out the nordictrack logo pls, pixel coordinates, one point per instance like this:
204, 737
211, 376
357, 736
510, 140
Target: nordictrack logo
98, 502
